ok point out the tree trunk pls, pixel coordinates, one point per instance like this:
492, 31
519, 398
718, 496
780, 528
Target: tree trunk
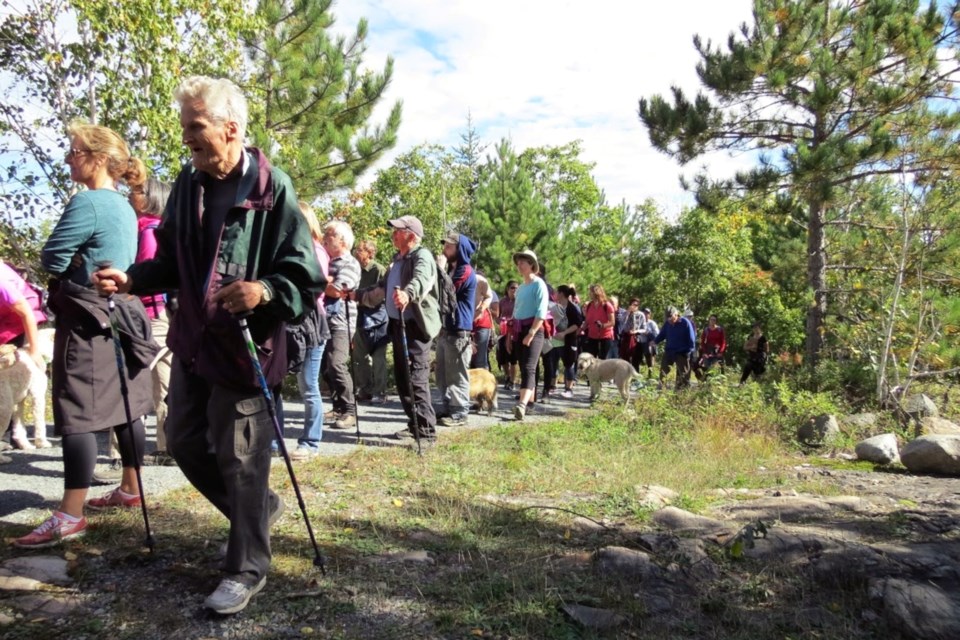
816, 280
891, 320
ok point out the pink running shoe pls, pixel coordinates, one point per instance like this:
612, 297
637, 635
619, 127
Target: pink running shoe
115, 498
52, 532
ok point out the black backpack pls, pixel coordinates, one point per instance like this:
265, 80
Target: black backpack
448, 297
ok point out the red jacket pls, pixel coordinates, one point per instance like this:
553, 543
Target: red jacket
713, 341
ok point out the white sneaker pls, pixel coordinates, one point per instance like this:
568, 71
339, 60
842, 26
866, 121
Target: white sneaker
232, 596
303, 452
519, 411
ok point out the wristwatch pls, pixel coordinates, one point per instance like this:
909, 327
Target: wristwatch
267, 294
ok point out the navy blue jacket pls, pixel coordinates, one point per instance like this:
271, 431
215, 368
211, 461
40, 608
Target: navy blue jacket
465, 280
679, 335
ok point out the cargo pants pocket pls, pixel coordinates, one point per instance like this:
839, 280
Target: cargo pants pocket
252, 427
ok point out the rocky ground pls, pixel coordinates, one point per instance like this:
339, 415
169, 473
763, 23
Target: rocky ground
882, 543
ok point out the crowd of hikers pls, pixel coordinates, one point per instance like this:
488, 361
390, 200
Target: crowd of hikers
195, 300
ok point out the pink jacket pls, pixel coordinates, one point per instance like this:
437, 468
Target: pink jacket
146, 249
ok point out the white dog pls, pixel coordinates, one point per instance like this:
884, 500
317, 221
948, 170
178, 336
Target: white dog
20, 377
599, 371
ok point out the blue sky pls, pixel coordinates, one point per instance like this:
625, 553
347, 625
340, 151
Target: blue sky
546, 73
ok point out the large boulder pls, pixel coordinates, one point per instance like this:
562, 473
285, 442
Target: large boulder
935, 426
822, 429
933, 454
917, 609
919, 406
882, 449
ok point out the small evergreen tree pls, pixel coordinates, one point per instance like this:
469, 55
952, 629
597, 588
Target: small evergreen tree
316, 97
508, 216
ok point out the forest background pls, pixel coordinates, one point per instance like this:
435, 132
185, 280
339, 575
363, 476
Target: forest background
842, 239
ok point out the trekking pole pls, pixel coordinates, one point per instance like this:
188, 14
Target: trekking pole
406, 366
125, 394
272, 410
353, 376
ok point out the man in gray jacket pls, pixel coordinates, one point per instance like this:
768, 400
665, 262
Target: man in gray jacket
410, 288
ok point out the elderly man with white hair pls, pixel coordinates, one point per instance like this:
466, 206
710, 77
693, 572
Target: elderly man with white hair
344, 274
231, 217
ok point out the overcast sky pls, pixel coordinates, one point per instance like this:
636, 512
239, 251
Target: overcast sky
545, 73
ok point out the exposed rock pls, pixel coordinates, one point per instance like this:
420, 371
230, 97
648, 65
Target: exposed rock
45, 604
627, 562
927, 561
792, 508
422, 557
5, 619
936, 426
688, 554
656, 604
919, 610
849, 565
788, 547
680, 520
882, 449
919, 406
822, 429
591, 618
933, 454
859, 420
45, 569
654, 496
586, 525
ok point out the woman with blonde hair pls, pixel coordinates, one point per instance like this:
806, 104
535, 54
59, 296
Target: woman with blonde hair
98, 225
314, 333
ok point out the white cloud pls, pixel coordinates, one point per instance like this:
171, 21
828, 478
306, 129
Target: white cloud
545, 73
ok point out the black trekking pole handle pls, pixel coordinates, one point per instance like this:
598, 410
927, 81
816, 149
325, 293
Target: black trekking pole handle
272, 411
125, 394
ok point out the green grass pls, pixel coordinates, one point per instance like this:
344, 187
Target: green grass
496, 510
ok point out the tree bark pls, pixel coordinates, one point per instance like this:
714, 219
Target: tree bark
816, 279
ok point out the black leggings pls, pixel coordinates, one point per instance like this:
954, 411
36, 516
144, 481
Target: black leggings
756, 367
80, 453
528, 358
599, 347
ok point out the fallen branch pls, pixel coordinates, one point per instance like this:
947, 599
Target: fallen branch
932, 374
579, 515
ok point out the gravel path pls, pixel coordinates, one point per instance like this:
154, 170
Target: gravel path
32, 484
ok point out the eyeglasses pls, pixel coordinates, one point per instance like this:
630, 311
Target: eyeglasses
74, 153
511, 288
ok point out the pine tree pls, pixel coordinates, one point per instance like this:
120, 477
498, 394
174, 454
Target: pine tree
316, 97
507, 216
838, 88
469, 155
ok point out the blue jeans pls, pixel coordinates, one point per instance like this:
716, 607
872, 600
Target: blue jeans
308, 380
480, 358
